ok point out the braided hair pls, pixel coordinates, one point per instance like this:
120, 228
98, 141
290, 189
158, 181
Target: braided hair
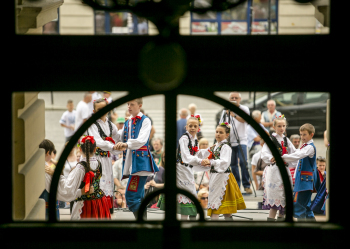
223, 125
88, 148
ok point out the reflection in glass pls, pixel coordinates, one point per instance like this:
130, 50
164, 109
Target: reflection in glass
237, 13
261, 9
203, 4
204, 28
263, 27
231, 28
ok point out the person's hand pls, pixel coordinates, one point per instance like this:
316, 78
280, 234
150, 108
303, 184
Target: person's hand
120, 146
49, 170
232, 114
272, 160
147, 185
205, 162
71, 127
152, 183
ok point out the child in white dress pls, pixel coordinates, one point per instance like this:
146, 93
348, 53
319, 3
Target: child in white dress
274, 197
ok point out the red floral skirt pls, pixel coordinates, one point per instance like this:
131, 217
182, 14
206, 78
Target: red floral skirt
96, 209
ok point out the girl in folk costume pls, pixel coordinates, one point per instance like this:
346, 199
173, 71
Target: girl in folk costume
105, 134
186, 162
225, 196
274, 198
86, 175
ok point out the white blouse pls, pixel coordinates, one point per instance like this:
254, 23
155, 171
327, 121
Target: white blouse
307, 151
221, 165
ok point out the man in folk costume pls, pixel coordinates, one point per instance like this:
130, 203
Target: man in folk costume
105, 134
138, 161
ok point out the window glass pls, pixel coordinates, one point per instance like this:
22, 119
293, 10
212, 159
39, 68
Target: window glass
261, 9
313, 97
285, 99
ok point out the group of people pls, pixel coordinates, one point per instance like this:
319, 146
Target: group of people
90, 184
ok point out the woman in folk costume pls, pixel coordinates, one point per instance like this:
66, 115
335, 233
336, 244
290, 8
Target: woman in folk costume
105, 134
274, 198
225, 196
86, 175
187, 161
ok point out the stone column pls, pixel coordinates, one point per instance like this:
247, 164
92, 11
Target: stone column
28, 122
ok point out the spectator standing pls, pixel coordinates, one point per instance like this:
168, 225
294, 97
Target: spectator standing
181, 125
68, 120
254, 138
120, 123
82, 112
258, 166
157, 146
94, 95
295, 139
240, 125
202, 177
269, 115
321, 166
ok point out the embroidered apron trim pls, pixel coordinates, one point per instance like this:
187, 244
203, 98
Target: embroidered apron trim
134, 183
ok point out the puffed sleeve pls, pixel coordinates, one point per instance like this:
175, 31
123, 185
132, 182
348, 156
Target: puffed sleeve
116, 137
141, 140
68, 188
266, 154
291, 150
221, 165
104, 145
307, 151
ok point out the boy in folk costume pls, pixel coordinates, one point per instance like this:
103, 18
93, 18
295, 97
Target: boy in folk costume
138, 161
105, 134
306, 177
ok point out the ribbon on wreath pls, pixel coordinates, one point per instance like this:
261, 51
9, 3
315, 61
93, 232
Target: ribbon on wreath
89, 176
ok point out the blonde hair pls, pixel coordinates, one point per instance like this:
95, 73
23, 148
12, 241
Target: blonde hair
192, 118
139, 101
201, 192
279, 119
200, 142
307, 127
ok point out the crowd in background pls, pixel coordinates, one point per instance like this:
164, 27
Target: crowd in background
248, 138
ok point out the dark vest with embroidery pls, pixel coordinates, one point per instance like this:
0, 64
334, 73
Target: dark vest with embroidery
279, 146
100, 152
190, 147
98, 193
216, 154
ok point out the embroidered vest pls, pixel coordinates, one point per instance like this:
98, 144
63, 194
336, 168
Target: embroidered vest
306, 177
100, 152
142, 159
279, 146
190, 147
98, 193
216, 154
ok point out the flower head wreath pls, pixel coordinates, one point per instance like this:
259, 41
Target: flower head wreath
197, 117
226, 124
103, 99
281, 116
83, 140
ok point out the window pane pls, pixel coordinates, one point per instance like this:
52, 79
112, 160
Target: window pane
204, 28
286, 99
229, 28
238, 13
203, 4
261, 9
